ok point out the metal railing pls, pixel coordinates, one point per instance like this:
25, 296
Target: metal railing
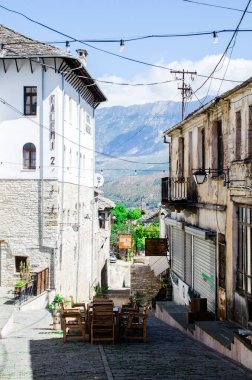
22, 293
178, 189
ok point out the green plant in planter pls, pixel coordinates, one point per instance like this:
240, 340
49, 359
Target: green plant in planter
135, 300
56, 303
19, 284
25, 269
100, 290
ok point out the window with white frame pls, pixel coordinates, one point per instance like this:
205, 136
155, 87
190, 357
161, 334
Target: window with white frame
30, 100
29, 156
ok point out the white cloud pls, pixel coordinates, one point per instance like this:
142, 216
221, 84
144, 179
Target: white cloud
237, 69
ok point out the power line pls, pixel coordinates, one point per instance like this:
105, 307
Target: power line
229, 59
67, 168
74, 143
99, 49
150, 36
186, 90
215, 6
112, 82
223, 55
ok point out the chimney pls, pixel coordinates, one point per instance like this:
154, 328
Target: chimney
82, 53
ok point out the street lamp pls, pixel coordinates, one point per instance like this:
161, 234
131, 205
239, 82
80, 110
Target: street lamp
200, 175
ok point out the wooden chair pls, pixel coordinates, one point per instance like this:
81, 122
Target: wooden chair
73, 325
125, 310
71, 308
101, 300
78, 305
102, 323
136, 326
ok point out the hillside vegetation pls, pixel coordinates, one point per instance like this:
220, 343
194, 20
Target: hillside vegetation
129, 190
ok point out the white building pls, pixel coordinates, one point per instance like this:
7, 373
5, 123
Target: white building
47, 137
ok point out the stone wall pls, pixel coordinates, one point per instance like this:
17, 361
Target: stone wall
143, 281
52, 225
20, 227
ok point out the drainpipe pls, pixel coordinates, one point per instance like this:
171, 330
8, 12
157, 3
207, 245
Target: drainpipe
63, 166
93, 213
78, 205
41, 158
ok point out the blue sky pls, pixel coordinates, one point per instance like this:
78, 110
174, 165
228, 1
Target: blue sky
120, 19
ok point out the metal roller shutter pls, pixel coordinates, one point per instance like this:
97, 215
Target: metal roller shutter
204, 270
188, 259
178, 252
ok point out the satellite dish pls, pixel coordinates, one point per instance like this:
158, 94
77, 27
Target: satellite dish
98, 180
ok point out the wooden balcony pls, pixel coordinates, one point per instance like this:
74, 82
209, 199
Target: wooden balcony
178, 190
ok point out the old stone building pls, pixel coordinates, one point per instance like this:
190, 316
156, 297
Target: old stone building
48, 212
207, 205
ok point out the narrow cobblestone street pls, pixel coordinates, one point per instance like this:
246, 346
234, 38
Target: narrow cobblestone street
33, 351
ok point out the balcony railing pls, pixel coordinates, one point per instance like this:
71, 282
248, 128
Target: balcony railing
176, 189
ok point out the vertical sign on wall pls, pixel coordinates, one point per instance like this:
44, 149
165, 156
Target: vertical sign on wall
52, 126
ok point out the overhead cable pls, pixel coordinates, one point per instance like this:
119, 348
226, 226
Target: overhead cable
215, 6
99, 49
225, 51
75, 143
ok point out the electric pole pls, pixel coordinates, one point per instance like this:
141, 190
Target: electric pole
186, 90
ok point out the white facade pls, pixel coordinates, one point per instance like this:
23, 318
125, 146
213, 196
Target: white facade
47, 212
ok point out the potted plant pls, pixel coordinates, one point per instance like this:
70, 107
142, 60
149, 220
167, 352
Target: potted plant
19, 286
100, 290
55, 307
135, 300
56, 304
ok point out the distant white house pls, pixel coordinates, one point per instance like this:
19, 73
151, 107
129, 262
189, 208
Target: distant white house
48, 211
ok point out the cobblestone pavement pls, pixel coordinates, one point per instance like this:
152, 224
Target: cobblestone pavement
33, 351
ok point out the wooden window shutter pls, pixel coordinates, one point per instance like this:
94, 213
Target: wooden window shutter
238, 135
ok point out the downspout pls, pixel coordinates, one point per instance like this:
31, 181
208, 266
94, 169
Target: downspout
93, 214
63, 166
78, 204
41, 158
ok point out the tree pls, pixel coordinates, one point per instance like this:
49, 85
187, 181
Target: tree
123, 225
134, 214
141, 232
120, 213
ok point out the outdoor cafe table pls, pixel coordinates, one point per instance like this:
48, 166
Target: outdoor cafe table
116, 312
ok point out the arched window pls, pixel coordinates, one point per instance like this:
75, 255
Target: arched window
29, 156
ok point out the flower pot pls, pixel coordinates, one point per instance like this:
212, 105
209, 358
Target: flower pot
56, 320
29, 284
19, 289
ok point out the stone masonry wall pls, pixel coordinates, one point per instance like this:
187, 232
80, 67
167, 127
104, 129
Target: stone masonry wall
20, 226
52, 225
144, 282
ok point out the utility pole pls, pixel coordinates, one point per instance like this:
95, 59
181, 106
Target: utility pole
186, 90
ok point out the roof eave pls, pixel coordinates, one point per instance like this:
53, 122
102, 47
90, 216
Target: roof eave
101, 97
210, 104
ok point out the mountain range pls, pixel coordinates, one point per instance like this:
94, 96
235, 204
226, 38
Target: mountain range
131, 142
